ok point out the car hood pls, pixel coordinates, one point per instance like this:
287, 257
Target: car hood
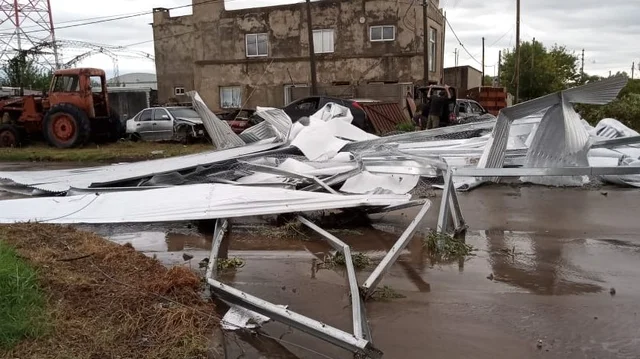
192, 121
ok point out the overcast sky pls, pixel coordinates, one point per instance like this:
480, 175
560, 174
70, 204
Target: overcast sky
608, 30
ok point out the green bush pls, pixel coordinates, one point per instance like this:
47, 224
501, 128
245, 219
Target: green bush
625, 109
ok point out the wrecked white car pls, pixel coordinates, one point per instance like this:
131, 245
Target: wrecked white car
181, 124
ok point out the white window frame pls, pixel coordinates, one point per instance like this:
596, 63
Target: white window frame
319, 48
222, 89
381, 39
246, 44
433, 48
178, 91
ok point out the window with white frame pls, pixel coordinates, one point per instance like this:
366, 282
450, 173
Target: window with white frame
323, 41
432, 49
382, 33
230, 97
257, 45
178, 91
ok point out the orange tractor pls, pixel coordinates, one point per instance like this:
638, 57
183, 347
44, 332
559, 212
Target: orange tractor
75, 111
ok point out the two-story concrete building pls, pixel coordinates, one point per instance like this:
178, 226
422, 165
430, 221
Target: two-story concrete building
254, 57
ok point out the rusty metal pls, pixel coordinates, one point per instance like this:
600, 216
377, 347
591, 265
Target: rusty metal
64, 127
28, 112
384, 116
8, 139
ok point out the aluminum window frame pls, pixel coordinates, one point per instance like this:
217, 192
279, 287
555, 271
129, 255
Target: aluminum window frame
221, 90
382, 39
246, 44
433, 48
333, 41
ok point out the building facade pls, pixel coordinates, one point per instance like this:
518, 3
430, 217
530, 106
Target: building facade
253, 57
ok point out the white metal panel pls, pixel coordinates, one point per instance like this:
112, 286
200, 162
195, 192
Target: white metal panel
181, 203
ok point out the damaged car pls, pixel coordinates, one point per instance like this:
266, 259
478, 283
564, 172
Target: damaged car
181, 124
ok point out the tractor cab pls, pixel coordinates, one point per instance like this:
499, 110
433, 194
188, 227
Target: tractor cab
85, 88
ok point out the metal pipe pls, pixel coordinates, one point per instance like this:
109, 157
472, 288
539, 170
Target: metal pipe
370, 284
445, 211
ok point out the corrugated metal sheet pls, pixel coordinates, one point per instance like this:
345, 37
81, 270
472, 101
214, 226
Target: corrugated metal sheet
385, 116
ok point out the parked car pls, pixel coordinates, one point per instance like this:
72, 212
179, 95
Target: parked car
166, 124
237, 118
307, 106
471, 111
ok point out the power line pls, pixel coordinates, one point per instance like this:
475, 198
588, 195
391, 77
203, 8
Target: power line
461, 44
122, 17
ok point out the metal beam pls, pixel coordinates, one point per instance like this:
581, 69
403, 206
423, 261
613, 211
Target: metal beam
546, 171
622, 141
313, 327
351, 274
370, 284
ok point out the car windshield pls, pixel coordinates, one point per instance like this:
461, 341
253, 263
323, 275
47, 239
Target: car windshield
183, 112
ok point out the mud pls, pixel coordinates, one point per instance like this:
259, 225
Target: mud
552, 256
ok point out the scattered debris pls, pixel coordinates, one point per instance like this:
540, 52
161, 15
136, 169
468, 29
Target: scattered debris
187, 257
612, 291
443, 247
539, 344
387, 293
229, 263
360, 260
490, 276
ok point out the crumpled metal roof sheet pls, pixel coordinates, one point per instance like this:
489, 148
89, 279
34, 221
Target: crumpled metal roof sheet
61, 180
220, 132
182, 203
384, 116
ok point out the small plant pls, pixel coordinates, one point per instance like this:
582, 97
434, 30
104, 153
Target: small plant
359, 260
406, 127
387, 293
443, 247
290, 230
229, 263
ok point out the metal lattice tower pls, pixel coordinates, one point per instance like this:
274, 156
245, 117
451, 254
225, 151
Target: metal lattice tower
27, 25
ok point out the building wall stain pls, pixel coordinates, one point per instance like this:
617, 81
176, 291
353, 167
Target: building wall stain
206, 50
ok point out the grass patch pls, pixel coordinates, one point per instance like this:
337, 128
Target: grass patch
120, 151
443, 247
386, 293
229, 263
109, 301
360, 260
22, 303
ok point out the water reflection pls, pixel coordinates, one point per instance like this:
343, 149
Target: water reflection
535, 263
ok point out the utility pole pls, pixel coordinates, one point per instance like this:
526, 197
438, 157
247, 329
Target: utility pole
455, 56
425, 24
312, 52
582, 67
633, 69
482, 61
517, 99
499, 67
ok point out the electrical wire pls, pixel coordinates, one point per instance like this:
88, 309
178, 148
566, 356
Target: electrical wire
122, 17
461, 44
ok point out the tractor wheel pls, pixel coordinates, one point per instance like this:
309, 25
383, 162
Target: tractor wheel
66, 126
10, 136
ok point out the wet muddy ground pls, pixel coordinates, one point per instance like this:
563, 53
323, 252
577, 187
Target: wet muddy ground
541, 270
544, 263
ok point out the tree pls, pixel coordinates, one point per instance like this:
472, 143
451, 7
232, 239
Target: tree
22, 71
487, 81
626, 108
542, 71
